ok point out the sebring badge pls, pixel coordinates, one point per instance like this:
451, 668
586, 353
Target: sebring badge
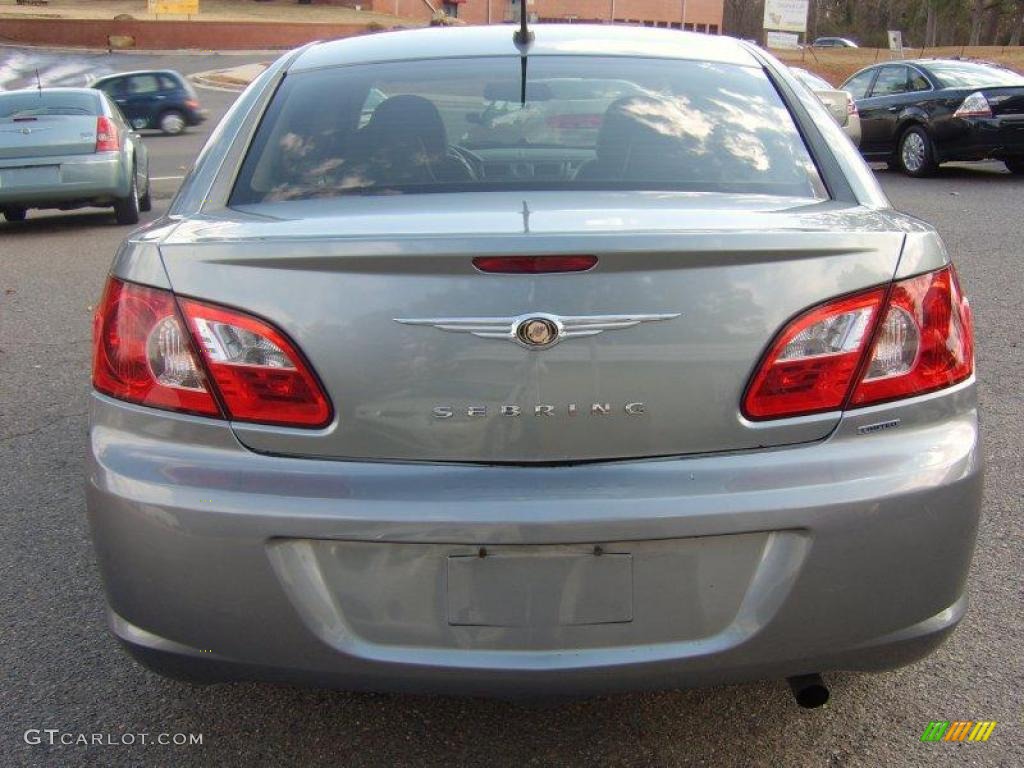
536, 330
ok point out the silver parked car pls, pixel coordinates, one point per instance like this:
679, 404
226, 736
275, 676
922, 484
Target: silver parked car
840, 104
69, 148
670, 397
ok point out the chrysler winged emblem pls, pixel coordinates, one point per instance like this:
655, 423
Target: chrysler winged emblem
535, 330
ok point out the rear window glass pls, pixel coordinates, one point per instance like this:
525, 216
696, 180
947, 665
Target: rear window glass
969, 74
36, 104
452, 125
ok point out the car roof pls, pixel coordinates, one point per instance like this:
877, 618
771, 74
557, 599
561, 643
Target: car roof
113, 75
65, 89
549, 40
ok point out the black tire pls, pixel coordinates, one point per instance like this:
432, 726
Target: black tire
14, 214
915, 152
1015, 166
126, 209
146, 201
172, 122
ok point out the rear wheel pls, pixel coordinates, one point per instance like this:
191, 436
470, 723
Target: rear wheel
916, 153
14, 214
1015, 166
172, 122
126, 209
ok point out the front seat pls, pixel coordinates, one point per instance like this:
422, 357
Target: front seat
405, 142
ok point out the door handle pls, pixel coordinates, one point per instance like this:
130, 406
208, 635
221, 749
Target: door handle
894, 109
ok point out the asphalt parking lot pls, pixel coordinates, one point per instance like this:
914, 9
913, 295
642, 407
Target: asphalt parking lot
62, 670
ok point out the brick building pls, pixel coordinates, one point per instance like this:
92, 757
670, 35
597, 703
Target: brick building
699, 15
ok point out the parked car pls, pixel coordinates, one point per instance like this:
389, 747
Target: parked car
916, 115
834, 42
69, 148
377, 407
839, 104
160, 99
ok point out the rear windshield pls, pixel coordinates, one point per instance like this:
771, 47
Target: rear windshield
451, 125
39, 103
969, 74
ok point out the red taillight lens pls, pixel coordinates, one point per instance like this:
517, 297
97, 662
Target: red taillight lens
259, 373
191, 103
146, 353
106, 135
143, 354
923, 342
810, 365
534, 265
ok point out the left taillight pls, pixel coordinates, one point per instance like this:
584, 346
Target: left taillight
200, 358
872, 347
106, 135
142, 352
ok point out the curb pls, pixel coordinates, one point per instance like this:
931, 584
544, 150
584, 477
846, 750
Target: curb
223, 79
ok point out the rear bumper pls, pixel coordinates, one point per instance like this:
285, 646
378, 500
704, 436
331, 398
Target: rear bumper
223, 564
984, 138
97, 177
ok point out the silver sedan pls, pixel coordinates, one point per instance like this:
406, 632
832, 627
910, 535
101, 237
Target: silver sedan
840, 104
652, 390
69, 148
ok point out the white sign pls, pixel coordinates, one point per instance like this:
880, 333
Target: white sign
786, 15
782, 40
896, 42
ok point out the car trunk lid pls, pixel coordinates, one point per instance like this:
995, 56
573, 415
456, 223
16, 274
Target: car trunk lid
1005, 101
47, 136
721, 273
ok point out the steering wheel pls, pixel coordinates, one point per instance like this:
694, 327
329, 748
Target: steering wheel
470, 158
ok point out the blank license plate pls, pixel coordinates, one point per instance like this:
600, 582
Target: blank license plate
34, 176
540, 589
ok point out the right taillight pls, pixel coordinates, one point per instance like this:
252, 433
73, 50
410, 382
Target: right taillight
106, 135
925, 341
194, 357
867, 348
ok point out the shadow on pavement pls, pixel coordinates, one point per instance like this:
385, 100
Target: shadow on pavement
45, 222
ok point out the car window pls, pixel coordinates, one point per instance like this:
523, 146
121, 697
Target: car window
918, 82
891, 81
140, 85
112, 87
972, 74
168, 83
587, 123
859, 83
35, 104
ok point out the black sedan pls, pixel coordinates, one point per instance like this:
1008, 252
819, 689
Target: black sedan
918, 114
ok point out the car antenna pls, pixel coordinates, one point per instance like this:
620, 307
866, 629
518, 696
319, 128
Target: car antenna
522, 38
39, 83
